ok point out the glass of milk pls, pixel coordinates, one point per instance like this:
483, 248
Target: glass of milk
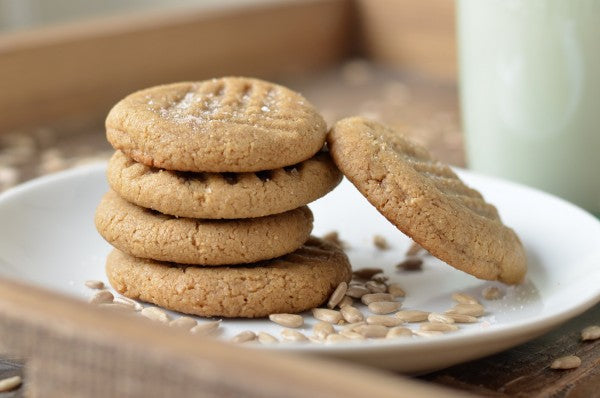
530, 93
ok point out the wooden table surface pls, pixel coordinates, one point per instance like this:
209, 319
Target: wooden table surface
427, 111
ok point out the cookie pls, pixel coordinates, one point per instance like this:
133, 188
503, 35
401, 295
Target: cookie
231, 124
216, 195
148, 234
426, 200
293, 283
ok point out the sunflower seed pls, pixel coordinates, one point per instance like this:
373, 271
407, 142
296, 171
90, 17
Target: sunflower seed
155, 314
244, 337
356, 291
10, 383
460, 318
266, 338
206, 328
128, 302
352, 314
410, 264
372, 331
380, 242
322, 329
94, 284
590, 333
414, 249
102, 297
435, 317
327, 315
336, 338
116, 307
437, 327
464, 298
380, 278
384, 320
334, 238
367, 272
395, 290
293, 335
412, 315
351, 335
346, 301
428, 333
353, 326
568, 362
184, 322
467, 309
376, 287
338, 295
373, 297
384, 307
492, 293
287, 320
398, 331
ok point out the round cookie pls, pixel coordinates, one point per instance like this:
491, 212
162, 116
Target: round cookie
231, 124
426, 200
293, 283
148, 234
216, 195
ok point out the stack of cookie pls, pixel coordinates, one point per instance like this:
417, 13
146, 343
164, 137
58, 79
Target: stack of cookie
207, 208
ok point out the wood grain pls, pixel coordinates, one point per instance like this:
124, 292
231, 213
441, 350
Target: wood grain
79, 70
76, 350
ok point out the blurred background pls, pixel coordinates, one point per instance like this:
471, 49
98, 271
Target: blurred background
64, 63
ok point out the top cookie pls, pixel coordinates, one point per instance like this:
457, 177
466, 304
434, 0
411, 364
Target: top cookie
232, 124
426, 200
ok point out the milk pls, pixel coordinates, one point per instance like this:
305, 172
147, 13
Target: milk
530, 93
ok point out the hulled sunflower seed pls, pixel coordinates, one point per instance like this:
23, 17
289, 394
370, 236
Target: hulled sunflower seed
94, 284
102, 297
338, 295
322, 329
287, 320
206, 328
435, 317
367, 272
380, 242
492, 293
590, 333
373, 297
467, 309
155, 314
384, 307
336, 338
351, 335
568, 362
352, 314
437, 326
428, 333
395, 290
244, 337
372, 331
266, 338
128, 302
380, 278
184, 322
346, 301
327, 315
412, 315
116, 307
353, 326
10, 383
414, 249
376, 287
384, 320
357, 291
334, 238
410, 264
398, 331
464, 298
293, 335
460, 318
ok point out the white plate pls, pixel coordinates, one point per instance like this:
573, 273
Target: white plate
47, 237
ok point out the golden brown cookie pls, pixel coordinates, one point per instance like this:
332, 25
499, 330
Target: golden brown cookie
426, 200
148, 234
293, 283
231, 124
223, 195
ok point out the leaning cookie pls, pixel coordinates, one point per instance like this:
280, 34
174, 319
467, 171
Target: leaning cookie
231, 124
147, 234
426, 200
293, 283
229, 195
